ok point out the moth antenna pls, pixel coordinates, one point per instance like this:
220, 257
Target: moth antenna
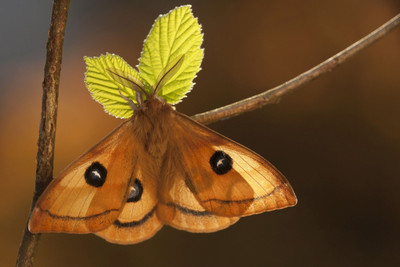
136, 87
168, 72
139, 98
130, 102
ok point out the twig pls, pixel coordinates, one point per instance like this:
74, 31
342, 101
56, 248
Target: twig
273, 95
47, 131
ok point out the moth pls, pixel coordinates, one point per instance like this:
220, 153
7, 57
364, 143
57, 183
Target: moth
158, 168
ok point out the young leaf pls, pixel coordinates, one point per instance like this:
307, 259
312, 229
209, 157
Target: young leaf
173, 35
103, 79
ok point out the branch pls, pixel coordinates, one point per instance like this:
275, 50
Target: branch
273, 95
47, 130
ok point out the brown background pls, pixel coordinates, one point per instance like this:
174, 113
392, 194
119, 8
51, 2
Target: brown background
336, 139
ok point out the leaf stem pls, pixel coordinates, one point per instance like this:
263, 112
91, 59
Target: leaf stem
47, 130
273, 95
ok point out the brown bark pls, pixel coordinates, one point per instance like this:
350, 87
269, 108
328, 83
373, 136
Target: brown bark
47, 130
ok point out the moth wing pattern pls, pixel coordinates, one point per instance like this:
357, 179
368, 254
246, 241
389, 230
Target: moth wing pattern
72, 205
227, 178
138, 219
178, 205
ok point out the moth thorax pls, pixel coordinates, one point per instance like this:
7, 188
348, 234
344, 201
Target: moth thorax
154, 129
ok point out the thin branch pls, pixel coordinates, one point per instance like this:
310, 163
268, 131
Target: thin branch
47, 131
273, 95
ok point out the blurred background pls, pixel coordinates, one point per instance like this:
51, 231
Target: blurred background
336, 139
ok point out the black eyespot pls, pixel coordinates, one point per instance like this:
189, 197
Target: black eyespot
95, 174
221, 162
136, 191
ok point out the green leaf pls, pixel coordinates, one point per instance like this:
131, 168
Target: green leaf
103, 81
173, 35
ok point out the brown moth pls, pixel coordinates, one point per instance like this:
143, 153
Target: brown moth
159, 167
